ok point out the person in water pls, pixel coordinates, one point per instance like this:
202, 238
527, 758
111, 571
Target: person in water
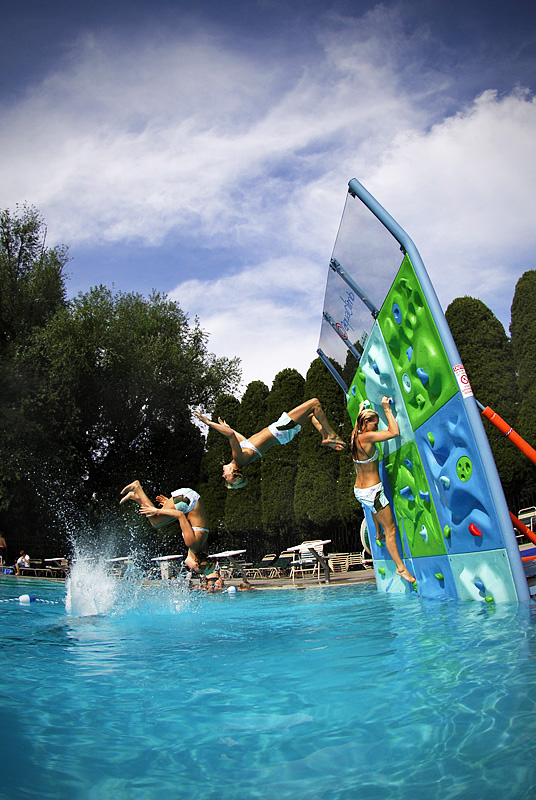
245, 451
184, 505
368, 487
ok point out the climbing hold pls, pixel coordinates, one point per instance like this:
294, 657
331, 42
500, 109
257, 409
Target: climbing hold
439, 576
474, 530
406, 382
376, 368
397, 314
409, 353
464, 468
381, 570
366, 403
407, 493
408, 464
380, 543
489, 598
424, 533
445, 481
353, 390
423, 376
431, 438
446, 532
420, 401
480, 586
424, 495
414, 584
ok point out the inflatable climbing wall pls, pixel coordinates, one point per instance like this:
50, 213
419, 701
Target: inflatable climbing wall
384, 333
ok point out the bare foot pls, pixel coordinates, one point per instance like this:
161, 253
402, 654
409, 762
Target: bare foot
404, 573
335, 442
132, 493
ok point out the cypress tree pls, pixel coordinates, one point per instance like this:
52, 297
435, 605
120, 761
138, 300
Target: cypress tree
243, 507
315, 496
280, 464
211, 486
487, 356
523, 332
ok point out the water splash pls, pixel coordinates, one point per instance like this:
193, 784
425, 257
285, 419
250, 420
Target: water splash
100, 586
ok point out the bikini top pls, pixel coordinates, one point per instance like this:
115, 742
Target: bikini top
374, 457
245, 444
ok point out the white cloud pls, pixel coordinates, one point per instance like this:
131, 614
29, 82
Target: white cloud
268, 313
178, 135
465, 191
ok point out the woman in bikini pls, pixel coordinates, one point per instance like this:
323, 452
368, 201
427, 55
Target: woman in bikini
245, 451
368, 487
184, 505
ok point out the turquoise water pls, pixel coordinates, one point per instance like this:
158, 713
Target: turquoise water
315, 694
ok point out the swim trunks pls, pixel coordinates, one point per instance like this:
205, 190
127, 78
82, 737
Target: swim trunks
285, 429
373, 497
185, 500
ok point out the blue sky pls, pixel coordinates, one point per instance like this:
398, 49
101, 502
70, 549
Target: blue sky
205, 151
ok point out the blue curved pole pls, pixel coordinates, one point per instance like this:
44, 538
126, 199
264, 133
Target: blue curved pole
358, 190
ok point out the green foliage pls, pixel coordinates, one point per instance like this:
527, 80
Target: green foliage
487, 355
523, 331
96, 392
211, 485
243, 509
31, 275
316, 484
280, 464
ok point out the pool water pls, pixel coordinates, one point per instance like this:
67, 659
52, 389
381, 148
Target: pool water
317, 694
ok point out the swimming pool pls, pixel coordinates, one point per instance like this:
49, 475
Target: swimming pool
318, 694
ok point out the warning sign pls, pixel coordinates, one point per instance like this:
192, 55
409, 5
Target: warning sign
463, 380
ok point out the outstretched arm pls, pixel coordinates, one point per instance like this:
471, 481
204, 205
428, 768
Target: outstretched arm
221, 426
233, 436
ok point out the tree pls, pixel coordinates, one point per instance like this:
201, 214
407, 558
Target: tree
488, 359
523, 332
243, 510
280, 463
116, 377
32, 276
32, 291
211, 485
316, 483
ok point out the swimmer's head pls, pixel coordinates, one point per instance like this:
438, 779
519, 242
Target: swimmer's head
196, 561
365, 416
232, 475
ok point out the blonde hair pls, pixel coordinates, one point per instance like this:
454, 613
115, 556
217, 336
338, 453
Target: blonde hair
364, 416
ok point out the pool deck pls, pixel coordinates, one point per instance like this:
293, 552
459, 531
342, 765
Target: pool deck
306, 582
309, 582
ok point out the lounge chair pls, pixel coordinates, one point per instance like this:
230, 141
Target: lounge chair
263, 567
282, 566
305, 562
339, 562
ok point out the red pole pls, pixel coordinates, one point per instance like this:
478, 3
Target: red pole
522, 528
514, 437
